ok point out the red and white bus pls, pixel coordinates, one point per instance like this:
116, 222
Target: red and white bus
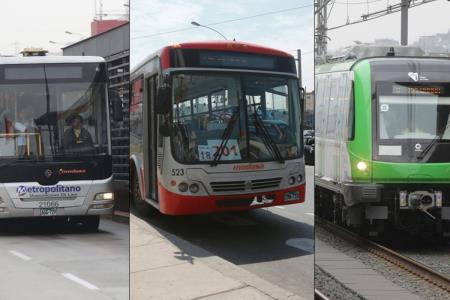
216, 126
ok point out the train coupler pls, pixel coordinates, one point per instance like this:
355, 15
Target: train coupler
421, 201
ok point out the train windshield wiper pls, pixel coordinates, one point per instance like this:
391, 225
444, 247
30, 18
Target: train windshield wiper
267, 140
226, 136
434, 141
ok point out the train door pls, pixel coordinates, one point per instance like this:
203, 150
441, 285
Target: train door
151, 138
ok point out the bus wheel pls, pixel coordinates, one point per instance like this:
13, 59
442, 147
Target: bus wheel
91, 223
143, 208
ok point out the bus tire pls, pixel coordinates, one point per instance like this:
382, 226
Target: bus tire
143, 208
91, 223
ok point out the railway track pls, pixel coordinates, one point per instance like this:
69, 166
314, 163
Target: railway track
403, 262
319, 296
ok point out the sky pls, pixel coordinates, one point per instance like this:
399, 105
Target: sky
426, 19
25, 23
289, 30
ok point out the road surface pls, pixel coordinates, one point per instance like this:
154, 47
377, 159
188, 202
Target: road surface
41, 261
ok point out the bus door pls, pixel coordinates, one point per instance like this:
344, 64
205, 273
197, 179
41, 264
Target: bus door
151, 139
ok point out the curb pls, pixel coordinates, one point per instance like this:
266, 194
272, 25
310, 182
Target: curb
119, 217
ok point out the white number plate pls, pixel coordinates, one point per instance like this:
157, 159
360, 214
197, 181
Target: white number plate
229, 152
48, 211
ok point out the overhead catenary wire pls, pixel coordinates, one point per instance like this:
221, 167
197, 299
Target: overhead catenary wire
225, 21
358, 3
378, 14
331, 9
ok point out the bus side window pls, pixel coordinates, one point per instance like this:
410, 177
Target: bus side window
136, 121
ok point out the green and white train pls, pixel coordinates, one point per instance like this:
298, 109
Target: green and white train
383, 143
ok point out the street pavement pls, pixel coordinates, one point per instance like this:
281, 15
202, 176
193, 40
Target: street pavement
274, 244
42, 261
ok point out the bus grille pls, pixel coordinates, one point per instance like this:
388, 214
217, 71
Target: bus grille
242, 185
266, 183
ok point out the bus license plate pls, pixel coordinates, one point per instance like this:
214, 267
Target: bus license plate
292, 196
51, 211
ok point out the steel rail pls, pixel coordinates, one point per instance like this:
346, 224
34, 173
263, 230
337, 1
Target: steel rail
319, 296
403, 262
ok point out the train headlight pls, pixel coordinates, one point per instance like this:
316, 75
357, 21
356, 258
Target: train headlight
362, 166
403, 201
291, 180
194, 188
104, 196
183, 187
438, 197
299, 178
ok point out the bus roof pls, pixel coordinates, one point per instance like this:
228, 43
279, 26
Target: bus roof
220, 45
349, 64
18, 60
232, 46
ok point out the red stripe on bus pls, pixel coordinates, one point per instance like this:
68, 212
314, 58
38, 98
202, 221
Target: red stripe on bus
178, 204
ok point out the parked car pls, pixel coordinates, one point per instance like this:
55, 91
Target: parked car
309, 150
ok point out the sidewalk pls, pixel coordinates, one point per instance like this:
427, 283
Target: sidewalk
164, 266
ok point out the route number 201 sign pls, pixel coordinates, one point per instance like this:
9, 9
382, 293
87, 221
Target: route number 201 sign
230, 151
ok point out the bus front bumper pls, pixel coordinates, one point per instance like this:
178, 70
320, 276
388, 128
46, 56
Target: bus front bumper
91, 201
178, 204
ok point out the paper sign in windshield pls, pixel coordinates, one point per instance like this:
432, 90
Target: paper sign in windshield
229, 152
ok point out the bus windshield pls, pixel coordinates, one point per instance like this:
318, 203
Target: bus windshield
254, 117
52, 111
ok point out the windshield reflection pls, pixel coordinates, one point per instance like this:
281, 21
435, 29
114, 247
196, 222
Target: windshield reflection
207, 116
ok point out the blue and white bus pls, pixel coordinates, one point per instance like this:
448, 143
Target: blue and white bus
55, 145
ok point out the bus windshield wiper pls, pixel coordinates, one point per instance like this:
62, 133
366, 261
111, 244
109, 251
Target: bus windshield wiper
226, 136
267, 139
433, 142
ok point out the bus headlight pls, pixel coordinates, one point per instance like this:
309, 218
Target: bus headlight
183, 187
104, 196
362, 166
291, 180
438, 197
194, 188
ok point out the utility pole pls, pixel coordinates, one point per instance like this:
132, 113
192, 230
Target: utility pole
404, 22
321, 30
299, 67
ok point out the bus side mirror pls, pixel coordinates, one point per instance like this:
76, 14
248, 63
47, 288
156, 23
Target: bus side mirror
163, 100
302, 103
117, 108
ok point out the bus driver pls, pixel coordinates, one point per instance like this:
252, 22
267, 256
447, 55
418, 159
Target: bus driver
77, 138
